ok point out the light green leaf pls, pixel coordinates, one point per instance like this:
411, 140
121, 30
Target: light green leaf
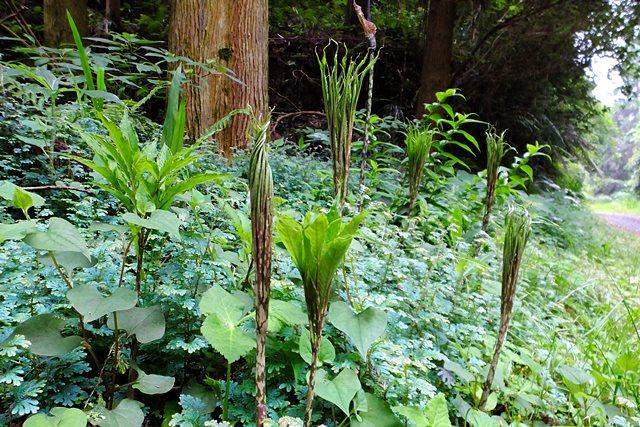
21, 199
228, 307
415, 415
326, 352
17, 231
126, 414
92, 305
227, 338
378, 414
60, 417
160, 220
362, 328
61, 236
285, 313
43, 331
341, 390
153, 384
68, 260
146, 323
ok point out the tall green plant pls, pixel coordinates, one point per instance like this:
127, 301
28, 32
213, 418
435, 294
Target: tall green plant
418, 146
341, 85
317, 247
496, 149
261, 195
517, 228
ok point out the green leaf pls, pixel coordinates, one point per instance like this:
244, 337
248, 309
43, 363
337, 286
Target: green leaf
228, 307
43, 331
69, 260
435, 414
227, 338
153, 384
18, 230
126, 414
146, 323
21, 199
285, 313
84, 59
60, 236
160, 220
378, 414
341, 390
60, 417
92, 305
415, 415
326, 352
363, 329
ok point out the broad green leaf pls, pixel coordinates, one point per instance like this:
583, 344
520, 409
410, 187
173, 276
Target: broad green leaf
341, 390
160, 220
415, 415
126, 414
61, 236
326, 352
146, 323
363, 329
153, 384
60, 417
92, 305
285, 313
69, 260
437, 412
206, 396
378, 414
21, 199
43, 331
18, 230
228, 307
459, 370
227, 338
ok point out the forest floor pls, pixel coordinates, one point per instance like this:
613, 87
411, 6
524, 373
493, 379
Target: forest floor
626, 222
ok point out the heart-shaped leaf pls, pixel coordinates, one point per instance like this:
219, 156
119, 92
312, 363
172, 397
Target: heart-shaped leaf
43, 331
326, 352
147, 323
17, 231
228, 307
159, 220
92, 305
60, 417
126, 414
60, 236
227, 338
153, 384
362, 328
341, 390
378, 414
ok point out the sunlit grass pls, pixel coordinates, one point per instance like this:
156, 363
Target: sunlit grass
623, 203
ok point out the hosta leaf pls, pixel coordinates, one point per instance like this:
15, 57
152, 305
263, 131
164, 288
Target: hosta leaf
43, 331
159, 220
60, 417
153, 384
378, 414
228, 307
341, 390
362, 328
147, 323
17, 231
92, 305
326, 352
61, 236
227, 338
126, 414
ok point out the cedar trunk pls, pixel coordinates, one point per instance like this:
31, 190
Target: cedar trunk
438, 48
56, 27
236, 34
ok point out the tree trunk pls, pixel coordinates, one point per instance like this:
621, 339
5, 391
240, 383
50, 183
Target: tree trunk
438, 48
111, 15
56, 27
236, 34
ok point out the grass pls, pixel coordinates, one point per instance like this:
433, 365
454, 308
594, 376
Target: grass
623, 203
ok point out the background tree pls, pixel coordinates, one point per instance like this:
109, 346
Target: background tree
56, 28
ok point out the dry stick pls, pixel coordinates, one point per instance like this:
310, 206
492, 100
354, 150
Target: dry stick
57, 187
369, 29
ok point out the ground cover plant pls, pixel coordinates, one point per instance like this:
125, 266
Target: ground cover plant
146, 279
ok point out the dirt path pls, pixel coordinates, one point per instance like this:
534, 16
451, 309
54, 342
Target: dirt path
626, 222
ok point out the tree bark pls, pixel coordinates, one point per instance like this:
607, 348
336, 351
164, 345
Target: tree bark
111, 15
236, 34
438, 51
56, 27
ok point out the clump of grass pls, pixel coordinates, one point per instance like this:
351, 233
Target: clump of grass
317, 247
261, 195
517, 228
341, 86
496, 149
418, 146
